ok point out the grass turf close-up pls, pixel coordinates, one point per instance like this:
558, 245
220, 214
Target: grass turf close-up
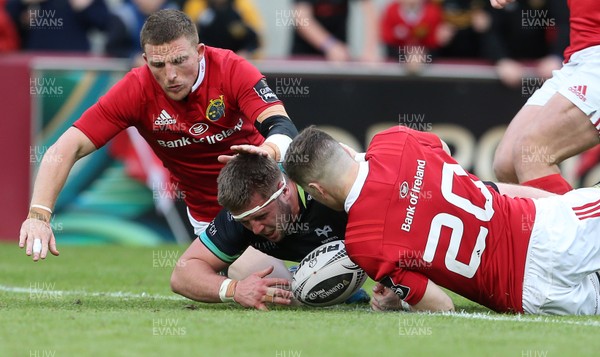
115, 301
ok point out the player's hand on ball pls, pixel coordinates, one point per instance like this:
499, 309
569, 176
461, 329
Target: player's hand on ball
37, 238
385, 299
256, 290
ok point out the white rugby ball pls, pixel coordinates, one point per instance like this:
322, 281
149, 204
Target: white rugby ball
327, 276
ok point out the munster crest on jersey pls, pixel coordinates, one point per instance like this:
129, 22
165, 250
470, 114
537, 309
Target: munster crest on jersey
215, 109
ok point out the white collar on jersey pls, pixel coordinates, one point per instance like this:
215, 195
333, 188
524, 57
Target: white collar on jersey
363, 171
201, 71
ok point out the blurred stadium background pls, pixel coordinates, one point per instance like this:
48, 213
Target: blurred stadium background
121, 194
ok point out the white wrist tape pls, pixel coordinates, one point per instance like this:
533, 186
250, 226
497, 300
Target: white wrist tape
223, 291
281, 141
42, 207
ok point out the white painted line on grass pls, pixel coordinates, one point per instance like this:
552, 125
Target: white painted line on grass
519, 318
113, 294
462, 314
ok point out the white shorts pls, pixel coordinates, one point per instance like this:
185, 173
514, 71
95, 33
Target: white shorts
578, 81
564, 255
199, 227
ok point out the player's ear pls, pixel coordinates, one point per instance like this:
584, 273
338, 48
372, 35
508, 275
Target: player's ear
315, 189
200, 49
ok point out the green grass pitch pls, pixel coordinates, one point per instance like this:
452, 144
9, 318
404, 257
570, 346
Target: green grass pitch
116, 301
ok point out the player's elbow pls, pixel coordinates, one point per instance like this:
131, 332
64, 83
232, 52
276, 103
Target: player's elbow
443, 305
446, 305
177, 279
435, 299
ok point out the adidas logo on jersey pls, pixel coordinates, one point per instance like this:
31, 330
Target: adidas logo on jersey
579, 91
164, 119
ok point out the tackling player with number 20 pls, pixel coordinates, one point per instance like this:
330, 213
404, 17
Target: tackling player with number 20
417, 221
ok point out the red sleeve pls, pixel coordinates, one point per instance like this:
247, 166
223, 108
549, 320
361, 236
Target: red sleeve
251, 90
115, 111
409, 285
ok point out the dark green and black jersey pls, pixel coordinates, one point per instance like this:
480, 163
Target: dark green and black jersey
315, 225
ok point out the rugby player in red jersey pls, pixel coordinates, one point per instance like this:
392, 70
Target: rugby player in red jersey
417, 221
195, 106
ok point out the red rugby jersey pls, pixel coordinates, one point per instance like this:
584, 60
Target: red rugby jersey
585, 25
420, 216
187, 135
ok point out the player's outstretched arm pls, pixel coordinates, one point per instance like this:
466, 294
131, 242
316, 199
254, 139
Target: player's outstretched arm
196, 276
36, 233
434, 299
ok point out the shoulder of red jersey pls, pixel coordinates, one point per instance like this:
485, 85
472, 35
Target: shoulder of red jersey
138, 79
221, 59
395, 137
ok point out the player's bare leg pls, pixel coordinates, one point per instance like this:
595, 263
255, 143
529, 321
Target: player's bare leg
558, 130
253, 260
504, 160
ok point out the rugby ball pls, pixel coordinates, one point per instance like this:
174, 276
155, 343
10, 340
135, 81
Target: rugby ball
327, 276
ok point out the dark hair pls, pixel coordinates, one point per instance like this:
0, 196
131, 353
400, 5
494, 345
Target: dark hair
312, 155
245, 175
164, 26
